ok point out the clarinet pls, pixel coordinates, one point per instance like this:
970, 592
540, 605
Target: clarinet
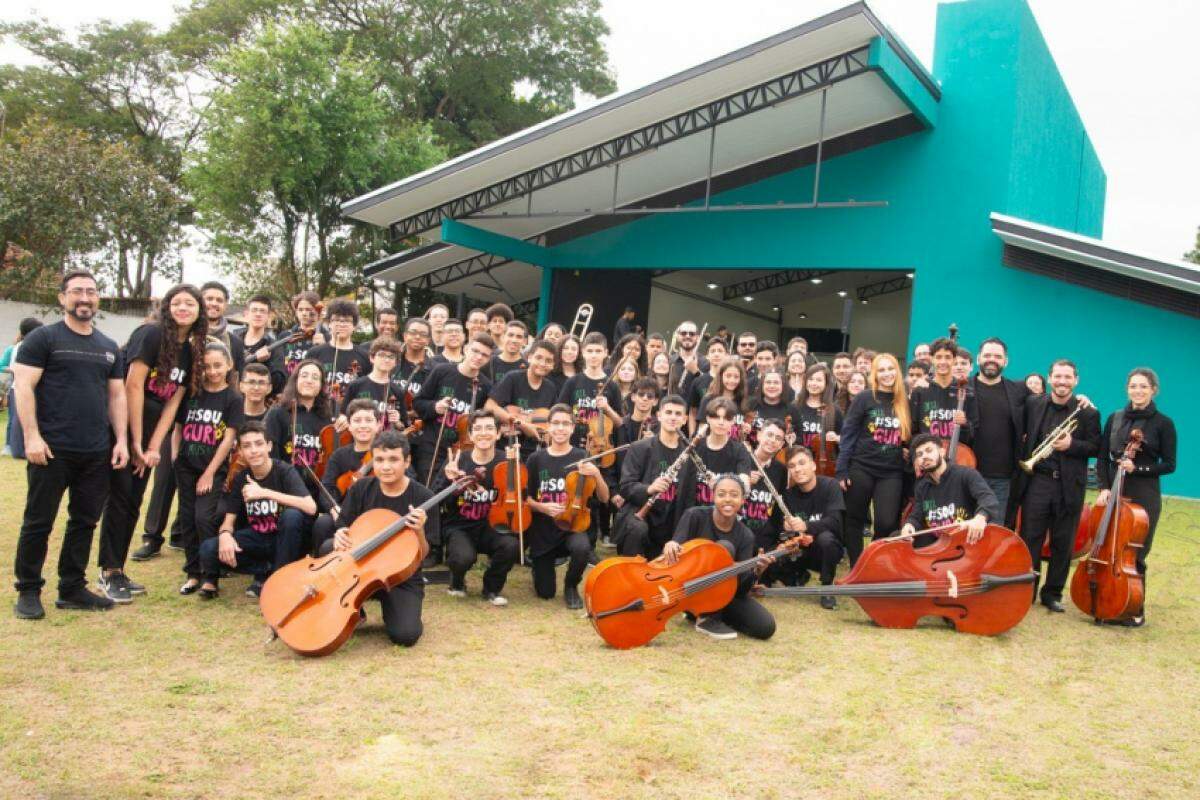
672, 471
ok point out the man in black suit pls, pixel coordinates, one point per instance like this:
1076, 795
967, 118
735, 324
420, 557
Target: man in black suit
999, 435
1053, 497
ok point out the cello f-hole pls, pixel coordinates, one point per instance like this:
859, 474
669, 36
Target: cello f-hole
940, 603
346, 593
959, 553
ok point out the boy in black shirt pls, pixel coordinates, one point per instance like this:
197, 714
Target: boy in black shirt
758, 512
391, 488
414, 365
509, 358
451, 392
947, 493
266, 514
340, 360
255, 386
643, 475
523, 391
934, 406
719, 523
547, 495
718, 451
465, 529
582, 390
816, 511
363, 421
378, 386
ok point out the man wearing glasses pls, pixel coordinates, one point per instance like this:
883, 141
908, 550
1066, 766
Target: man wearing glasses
414, 364
687, 362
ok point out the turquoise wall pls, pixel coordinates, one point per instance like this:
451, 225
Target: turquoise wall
1009, 139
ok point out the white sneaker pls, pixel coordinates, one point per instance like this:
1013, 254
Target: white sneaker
456, 592
495, 599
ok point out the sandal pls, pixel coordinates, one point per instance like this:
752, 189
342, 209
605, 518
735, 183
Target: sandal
208, 592
190, 586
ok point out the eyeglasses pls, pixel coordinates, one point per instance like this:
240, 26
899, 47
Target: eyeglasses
417, 334
386, 355
647, 395
256, 382
687, 333
78, 292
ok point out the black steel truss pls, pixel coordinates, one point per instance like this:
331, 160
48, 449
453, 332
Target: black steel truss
777, 90
772, 280
886, 286
481, 264
528, 308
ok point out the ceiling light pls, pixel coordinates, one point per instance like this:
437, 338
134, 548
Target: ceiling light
774, 308
842, 293
815, 280
748, 299
803, 315
711, 285
864, 302
910, 274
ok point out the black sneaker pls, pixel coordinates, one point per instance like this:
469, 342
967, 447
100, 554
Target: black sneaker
82, 600
29, 606
147, 551
175, 543
254, 589
571, 598
134, 587
714, 627
114, 588
828, 602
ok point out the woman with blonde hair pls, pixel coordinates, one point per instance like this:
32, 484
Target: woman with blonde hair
871, 460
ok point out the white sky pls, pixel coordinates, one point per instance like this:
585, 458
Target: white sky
1128, 66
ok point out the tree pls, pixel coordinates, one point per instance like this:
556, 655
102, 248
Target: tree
1193, 255
299, 127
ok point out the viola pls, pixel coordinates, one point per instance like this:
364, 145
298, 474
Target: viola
576, 515
510, 512
313, 604
981, 588
1107, 585
538, 418
629, 600
331, 440
353, 476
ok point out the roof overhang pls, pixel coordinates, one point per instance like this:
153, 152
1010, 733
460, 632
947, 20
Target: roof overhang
820, 83
1096, 254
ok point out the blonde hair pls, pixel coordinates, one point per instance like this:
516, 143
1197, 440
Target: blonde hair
899, 398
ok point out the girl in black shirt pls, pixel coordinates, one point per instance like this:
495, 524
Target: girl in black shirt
769, 403
205, 434
819, 420
730, 382
165, 363
294, 425
1155, 458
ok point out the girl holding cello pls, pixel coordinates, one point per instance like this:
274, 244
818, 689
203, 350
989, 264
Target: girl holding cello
1155, 458
871, 460
551, 479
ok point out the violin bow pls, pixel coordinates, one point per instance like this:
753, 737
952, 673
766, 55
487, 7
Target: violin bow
515, 443
600, 455
336, 507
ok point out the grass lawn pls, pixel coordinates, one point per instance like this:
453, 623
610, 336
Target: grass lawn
174, 697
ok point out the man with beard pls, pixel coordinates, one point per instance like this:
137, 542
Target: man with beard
947, 493
1000, 404
70, 394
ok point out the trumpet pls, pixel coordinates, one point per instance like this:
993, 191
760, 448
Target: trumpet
1043, 450
583, 318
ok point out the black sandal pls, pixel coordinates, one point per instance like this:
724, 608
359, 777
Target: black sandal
190, 586
208, 594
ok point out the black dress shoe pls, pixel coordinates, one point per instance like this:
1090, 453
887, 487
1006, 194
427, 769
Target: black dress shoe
147, 551
81, 599
828, 602
1054, 605
29, 606
571, 598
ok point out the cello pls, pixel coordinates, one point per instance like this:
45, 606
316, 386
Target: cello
629, 600
980, 588
313, 604
509, 512
956, 452
1107, 585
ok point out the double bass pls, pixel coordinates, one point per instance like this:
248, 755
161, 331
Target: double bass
313, 604
629, 600
980, 588
1107, 585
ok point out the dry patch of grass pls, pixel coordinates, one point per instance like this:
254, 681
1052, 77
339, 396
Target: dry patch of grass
173, 697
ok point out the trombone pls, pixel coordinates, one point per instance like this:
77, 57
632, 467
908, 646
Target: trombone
583, 318
1043, 450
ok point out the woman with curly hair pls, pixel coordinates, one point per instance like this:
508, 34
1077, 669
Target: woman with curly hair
295, 421
166, 364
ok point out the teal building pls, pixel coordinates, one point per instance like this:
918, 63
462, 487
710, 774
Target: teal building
822, 183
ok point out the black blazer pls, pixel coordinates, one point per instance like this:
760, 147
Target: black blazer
1085, 444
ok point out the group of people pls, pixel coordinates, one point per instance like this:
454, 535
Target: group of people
275, 444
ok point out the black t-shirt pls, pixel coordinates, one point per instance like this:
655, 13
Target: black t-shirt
995, 437
288, 356
959, 495
341, 368
72, 394
300, 447
579, 392
757, 512
250, 348
344, 459
385, 396
697, 523
204, 419
821, 509
498, 367
253, 417
144, 345
643, 463
732, 457
697, 389
547, 484
933, 409
514, 390
468, 511
810, 426
735, 432
782, 412
446, 381
410, 376
262, 516
871, 437
366, 495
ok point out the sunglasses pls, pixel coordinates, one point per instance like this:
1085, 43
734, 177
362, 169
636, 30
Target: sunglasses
647, 395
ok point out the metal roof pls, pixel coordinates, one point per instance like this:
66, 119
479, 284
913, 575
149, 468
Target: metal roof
640, 144
1085, 250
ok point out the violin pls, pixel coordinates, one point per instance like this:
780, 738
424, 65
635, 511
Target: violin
236, 466
538, 418
980, 588
313, 604
331, 440
1107, 585
353, 476
576, 515
510, 512
629, 600
600, 428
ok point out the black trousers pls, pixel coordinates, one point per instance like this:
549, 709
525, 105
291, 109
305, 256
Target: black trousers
1046, 506
822, 556
463, 549
745, 614
162, 492
322, 532
867, 490
1146, 492
261, 553
577, 549
85, 477
124, 504
198, 515
401, 606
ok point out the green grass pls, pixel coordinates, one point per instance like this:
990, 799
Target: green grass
173, 697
